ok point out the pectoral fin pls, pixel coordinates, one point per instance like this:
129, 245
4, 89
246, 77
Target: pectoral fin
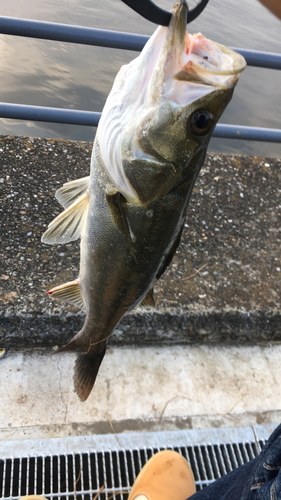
70, 292
72, 190
68, 225
117, 206
151, 178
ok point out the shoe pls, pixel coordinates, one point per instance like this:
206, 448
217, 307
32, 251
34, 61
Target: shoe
33, 497
166, 476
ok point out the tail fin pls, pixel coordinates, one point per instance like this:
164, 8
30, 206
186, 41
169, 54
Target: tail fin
85, 372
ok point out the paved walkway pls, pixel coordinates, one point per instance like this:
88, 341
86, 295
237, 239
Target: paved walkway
141, 389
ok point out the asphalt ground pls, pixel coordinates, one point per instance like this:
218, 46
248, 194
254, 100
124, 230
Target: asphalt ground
222, 286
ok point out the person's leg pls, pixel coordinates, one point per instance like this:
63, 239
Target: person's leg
259, 479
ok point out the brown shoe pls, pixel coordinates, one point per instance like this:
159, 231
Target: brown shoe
166, 476
33, 497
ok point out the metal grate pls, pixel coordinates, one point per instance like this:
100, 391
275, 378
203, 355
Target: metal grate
81, 475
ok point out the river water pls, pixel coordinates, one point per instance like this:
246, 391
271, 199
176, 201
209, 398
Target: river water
74, 76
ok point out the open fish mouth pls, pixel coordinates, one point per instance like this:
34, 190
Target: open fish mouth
173, 67
192, 61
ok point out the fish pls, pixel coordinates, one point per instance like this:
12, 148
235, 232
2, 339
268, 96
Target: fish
149, 147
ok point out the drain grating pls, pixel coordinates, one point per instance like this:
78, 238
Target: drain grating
81, 475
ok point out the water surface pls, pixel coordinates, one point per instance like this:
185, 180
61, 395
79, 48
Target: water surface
57, 74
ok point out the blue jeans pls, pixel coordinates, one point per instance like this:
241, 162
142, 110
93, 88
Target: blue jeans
259, 479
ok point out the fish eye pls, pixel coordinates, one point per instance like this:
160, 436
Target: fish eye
201, 122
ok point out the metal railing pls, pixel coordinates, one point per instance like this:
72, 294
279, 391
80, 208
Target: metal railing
117, 40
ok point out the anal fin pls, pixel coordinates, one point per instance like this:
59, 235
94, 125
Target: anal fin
148, 300
72, 190
68, 225
116, 203
70, 292
85, 372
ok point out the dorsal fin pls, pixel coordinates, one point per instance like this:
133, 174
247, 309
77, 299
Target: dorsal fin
68, 225
70, 292
148, 300
72, 190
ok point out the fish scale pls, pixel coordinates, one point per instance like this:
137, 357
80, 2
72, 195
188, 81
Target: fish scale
149, 148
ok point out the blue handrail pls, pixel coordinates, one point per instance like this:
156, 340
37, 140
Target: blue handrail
107, 38
91, 118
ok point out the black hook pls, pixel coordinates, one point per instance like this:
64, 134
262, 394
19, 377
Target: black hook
150, 11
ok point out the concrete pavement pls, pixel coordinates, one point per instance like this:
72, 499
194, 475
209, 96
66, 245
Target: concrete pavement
141, 389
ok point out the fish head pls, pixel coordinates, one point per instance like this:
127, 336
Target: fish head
162, 110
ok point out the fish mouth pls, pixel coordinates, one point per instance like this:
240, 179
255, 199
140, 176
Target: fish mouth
174, 70
194, 60
209, 63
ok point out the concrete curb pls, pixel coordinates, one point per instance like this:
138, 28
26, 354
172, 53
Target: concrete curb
223, 285
146, 328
